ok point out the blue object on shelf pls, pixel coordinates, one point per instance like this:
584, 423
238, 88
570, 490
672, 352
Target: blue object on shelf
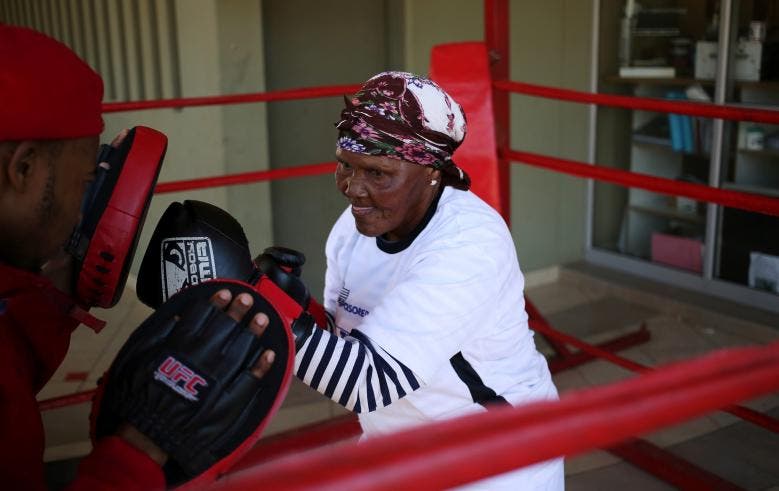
675, 124
687, 138
681, 126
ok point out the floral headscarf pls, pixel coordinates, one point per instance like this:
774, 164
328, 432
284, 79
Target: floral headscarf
404, 117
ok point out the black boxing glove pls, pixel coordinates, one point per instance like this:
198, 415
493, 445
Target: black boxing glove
283, 267
193, 242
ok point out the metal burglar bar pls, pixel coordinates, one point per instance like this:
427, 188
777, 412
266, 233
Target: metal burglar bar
132, 44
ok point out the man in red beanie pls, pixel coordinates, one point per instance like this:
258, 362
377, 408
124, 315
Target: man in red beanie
50, 121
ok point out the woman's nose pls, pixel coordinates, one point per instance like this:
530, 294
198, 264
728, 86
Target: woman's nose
355, 186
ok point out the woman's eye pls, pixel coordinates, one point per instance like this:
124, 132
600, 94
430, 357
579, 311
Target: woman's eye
375, 173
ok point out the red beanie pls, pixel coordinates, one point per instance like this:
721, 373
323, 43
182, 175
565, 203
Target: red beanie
46, 91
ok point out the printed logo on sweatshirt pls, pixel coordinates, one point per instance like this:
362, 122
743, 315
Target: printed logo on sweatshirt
186, 261
180, 378
352, 309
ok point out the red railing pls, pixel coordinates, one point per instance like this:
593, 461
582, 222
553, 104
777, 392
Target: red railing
220, 100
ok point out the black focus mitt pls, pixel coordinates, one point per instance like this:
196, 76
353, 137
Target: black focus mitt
184, 380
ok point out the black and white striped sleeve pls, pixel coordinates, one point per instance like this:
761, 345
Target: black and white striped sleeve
353, 371
330, 323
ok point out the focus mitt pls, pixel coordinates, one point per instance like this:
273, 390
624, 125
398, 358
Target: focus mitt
113, 212
183, 380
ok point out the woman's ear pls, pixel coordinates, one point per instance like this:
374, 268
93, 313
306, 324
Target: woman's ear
434, 174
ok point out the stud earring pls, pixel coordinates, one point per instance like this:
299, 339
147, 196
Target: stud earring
433, 182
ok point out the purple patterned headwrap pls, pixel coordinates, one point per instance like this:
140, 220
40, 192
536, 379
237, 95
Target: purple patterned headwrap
404, 117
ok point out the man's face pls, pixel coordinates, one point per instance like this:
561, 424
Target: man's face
60, 191
389, 197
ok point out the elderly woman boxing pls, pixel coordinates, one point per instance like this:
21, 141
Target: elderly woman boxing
423, 287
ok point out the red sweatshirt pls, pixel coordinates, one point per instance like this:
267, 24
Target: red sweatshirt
35, 331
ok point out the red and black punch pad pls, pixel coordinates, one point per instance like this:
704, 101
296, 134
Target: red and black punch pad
114, 210
206, 435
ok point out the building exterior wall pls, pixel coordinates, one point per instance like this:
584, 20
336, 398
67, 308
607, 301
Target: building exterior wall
205, 47
550, 45
306, 44
150, 49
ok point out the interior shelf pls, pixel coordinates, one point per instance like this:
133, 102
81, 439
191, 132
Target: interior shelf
760, 153
773, 192
687, 81
676, 81
668, 213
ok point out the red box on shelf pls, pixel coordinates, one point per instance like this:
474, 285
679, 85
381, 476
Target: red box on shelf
680, 252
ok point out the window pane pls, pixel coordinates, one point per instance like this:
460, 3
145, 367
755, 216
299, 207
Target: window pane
749, 251
647, 49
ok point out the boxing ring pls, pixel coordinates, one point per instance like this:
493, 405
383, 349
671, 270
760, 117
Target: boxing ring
458, 451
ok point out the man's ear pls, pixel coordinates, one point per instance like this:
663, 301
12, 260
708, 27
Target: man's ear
23, 162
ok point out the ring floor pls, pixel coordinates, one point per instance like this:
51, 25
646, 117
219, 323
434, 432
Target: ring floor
591, 303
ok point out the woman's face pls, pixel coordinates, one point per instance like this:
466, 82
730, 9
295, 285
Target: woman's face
389, 197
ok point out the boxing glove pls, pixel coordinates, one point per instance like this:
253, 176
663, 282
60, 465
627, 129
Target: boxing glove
283, 266
196, 242
193, 242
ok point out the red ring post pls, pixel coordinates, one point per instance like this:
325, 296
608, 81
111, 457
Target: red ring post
496, 36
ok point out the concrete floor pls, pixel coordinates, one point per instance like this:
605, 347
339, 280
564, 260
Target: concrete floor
588, 302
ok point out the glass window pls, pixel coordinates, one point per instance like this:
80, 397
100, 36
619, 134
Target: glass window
647, 49
749, 242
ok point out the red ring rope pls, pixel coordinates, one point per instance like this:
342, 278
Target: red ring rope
746, 201
725, 197
702, 109
745, 413
276, 95
66, 400
245, 178
735, 199
447, 453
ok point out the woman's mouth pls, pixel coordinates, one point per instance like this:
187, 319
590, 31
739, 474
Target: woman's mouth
361, 210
